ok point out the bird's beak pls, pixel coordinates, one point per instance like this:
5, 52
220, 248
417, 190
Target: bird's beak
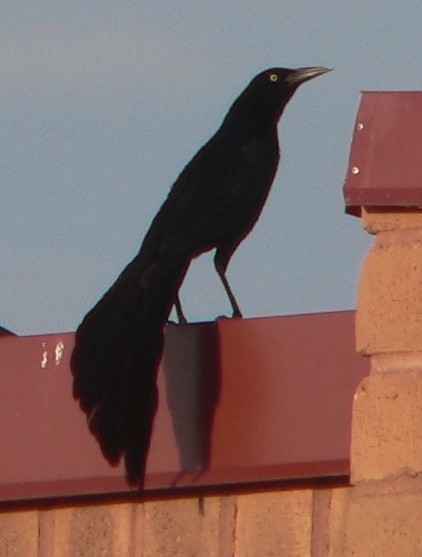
304, 74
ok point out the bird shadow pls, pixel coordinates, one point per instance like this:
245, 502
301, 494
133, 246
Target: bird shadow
192, 371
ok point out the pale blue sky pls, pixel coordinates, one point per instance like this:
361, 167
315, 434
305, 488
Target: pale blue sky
103, 103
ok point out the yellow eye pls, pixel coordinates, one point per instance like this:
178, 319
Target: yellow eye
273, 77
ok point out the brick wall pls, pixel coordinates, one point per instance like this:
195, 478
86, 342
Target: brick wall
254, 524
385, 507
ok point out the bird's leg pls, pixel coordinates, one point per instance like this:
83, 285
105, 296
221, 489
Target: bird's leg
233, 301
180, 315
220, 267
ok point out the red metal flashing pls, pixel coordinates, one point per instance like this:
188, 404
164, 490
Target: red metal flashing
385, 164
240, 401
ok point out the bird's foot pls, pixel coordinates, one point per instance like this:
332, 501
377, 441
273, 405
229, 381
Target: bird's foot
234, 316
221, 317
181, 320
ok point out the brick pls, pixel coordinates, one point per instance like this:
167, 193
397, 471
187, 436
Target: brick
378, 518
387, 426
335, 536
273, 524
390, 218
18, 534
86, 531
400, 361
227, 529
387, 524
178, 528
389, 309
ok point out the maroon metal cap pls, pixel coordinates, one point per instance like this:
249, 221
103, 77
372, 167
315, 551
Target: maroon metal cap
241, 401
385, 164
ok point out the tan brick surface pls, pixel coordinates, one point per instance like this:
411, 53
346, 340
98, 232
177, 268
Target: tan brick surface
390, 218
177, 528
19, 534
387, 525
337, 523
389, 308
378, 519
274, 524
90, 531
387, 426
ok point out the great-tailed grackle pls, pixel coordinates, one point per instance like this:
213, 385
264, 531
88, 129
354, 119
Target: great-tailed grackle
214, 203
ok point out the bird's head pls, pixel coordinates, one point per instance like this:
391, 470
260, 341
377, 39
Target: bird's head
285, 78
269, 92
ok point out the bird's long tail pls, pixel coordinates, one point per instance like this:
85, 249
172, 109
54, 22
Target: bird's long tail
118, 348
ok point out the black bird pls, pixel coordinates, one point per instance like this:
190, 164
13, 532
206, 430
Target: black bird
214, 203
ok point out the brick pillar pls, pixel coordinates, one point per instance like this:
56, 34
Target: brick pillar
385, 511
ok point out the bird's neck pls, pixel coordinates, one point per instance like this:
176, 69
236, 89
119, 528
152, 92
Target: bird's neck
253, 119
